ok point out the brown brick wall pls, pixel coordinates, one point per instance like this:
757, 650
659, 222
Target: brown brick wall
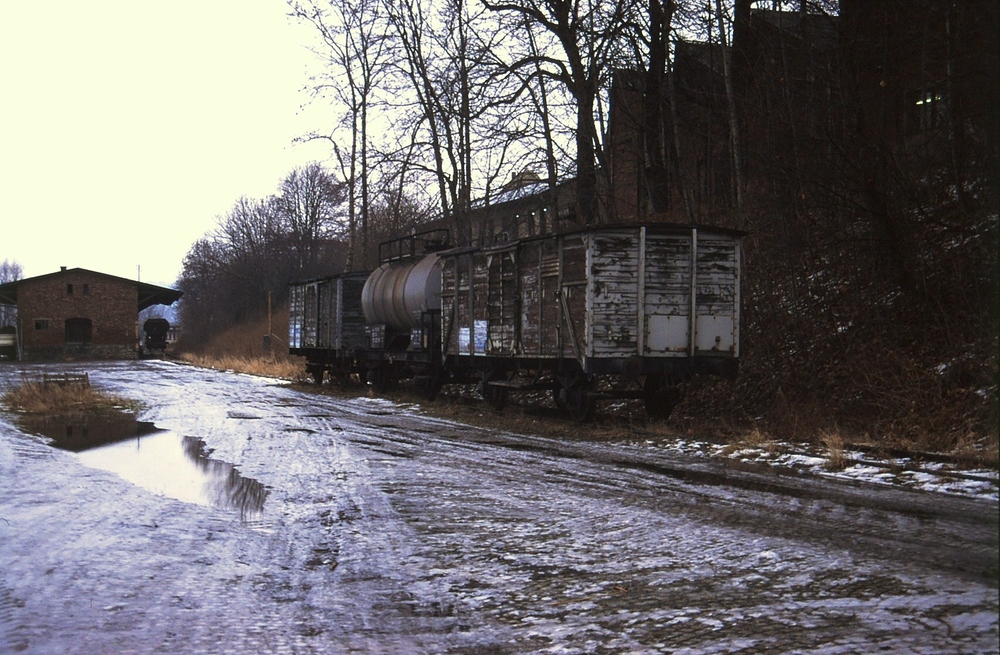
111, 305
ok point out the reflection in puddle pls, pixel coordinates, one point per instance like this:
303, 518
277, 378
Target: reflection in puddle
158, 460
84, 430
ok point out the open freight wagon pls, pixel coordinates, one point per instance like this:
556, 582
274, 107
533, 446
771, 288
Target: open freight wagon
609, 312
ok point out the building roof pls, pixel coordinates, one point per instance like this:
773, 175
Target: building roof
149, 294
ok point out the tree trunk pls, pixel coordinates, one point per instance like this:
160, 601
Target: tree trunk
734, 126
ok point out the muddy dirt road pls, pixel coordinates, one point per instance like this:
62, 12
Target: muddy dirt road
359, 526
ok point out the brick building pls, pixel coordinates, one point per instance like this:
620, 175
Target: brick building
81, 314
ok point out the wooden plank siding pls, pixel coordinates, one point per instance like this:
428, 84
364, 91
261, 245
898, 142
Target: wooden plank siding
614, 294
349, 329
502, 309
604, 293
717, 296
667, 293
530, 281
574, 287
327, 313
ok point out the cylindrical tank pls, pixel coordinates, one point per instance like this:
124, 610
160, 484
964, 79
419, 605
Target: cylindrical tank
396, 293
8, 342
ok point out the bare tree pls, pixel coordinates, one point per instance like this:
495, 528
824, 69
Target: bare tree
459, 97
10, 271
358, 50
307, 207
588, 36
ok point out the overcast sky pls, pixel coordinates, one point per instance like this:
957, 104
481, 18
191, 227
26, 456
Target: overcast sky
127, 126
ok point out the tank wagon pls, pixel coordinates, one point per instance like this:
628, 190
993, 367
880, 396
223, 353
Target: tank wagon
595, 314
8, 342
156, 330
382, 326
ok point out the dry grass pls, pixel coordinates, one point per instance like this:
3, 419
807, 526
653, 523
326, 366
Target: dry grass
755, 438
241, 349
272, 366
41, 398
977, 451
836, 459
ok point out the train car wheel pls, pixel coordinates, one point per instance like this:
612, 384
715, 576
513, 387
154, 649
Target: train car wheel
430, 386
559, 398
379, 379
496, 397
579, 403
658, 397
317, 373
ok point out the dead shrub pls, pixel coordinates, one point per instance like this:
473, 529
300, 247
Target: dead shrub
272, 366
836, 458
241, 349
41, 398
754, 438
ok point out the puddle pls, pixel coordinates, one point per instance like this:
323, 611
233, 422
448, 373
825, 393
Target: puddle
160, 461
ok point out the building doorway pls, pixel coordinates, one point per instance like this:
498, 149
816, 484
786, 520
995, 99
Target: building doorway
78, 330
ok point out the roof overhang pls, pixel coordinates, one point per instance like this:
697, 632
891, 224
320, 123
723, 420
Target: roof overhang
149, 294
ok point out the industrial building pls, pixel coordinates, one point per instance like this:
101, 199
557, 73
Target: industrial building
80, 314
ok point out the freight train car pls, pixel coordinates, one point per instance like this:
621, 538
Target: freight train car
156, 330
327, 326
599, 313
609, 312
402, 305
382, 326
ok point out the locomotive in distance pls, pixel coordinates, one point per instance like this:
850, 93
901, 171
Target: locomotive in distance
624, 311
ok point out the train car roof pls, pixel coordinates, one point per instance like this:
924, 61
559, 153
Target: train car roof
336, 276
678, 228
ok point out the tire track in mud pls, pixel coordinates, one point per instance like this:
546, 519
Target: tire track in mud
390, 532
10, 610
891, 527
943, 531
